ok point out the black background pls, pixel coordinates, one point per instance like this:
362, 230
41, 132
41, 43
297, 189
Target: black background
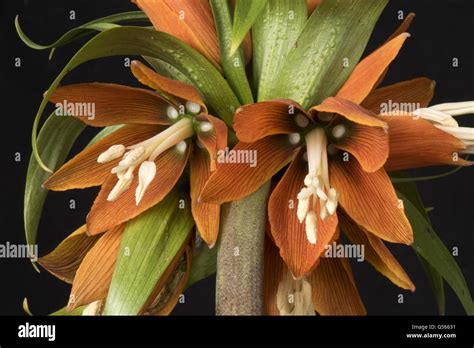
441, 30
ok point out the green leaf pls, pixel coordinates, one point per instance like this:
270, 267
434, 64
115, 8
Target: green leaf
428, 177
149, 244
233, 63
274, 36
431, 248
436, 283
104, 132
61, 312
148, 42
246, 12
337, 30
54, 141
167, 70
204, 264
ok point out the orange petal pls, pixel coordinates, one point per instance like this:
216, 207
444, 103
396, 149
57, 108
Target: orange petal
350, 111
417, 143
334, 289
233, 181
83, 171
403, 27
190, 21
110, 104
206, 215
105, 215
274, 268
377, 253
178, 92
65, 259
417, 92
215, 139
256, 121
288, 233
370, 200
368, 71
369, 145
93, 277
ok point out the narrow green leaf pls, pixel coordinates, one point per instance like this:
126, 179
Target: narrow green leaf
54, 141
274, 36
204, 264
246, 12
61, 312
431, 248
148, 42
233, 63
436, 282
428, 177
104, 132
336, 33
149, 244
166, 69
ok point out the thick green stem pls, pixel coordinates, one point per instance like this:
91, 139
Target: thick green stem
239, 284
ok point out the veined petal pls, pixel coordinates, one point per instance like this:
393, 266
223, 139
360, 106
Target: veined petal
274, 268
65, 259
179, 92
377, 253
370, 200
415, 93
190, 21
288, 233
206, 215
270, 154
105, 214
334, 289
370, 69
350, 111
93, 277
106, 104
369, 145
214, 139
84, 171
415, 143
256, 121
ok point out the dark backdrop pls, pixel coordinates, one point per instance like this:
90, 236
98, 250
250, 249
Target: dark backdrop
442, 30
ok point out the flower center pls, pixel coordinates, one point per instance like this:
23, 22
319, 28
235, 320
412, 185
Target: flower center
317, 196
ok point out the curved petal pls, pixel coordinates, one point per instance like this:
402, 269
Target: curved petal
350, 111
416, 143
256, 121
179, 92
274, 268
190, 21
288, 233
334, 289
377, 253
215, 139
370, 200
206, 215
106, 104
65, 259
368, 144
84, 171
94, 276
246, 167
105, 215
416, 93
369, 70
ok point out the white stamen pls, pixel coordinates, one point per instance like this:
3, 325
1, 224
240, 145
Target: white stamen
301, 120
303, 207
294, 296
339, 131
121, 186
311, 227
323, 211
181, 147
132, 157
192, 108
113, 152
435, 116
172, 113
455, 109
332, 201
294, 138
146, 174
205, 126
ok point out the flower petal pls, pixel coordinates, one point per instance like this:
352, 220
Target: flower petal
84, 171
416, 143
370, 200
334, 289
274, 268
350, 111
367, 73
376, 253
179, 92
93, 277
65, 259
369, 145
288, 233
214, 139
256, 121
106, 104
206, 215
190, 21
418, 92
268, 155
105, 215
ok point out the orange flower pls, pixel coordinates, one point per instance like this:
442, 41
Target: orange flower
139, 164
